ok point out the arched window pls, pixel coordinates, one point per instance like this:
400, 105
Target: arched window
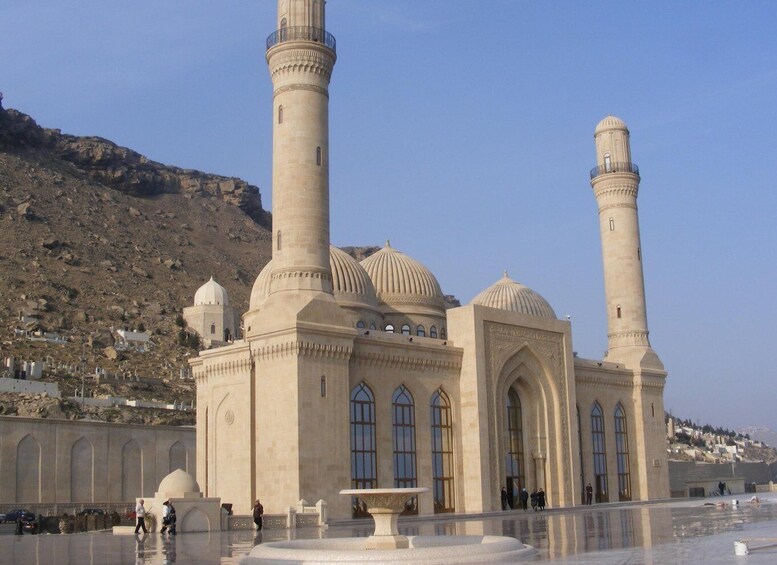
278, 241
372, 326
618, 310
284, 25
364, 455
280, 114
213, 328
515, 477
389, 328
360, 324
403, 410
318, 156
622, 453
607, 163
612, 224
442, 453
420, 330
405, 329
433, 332
600, 454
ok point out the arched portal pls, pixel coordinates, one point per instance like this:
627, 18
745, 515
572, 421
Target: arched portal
515, 463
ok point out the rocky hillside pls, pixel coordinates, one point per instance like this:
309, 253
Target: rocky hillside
98, 236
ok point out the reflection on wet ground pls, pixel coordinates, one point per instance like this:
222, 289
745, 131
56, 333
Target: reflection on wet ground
663, 532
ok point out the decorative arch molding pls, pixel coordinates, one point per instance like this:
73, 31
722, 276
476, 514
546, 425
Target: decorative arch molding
131, 470
195, 520
28, 469
82, 471
531, 361
179, 457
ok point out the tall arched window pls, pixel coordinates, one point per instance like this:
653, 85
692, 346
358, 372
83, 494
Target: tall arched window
622, 453
278, 241
442, 333
319, 157
280, 114
607, 163
364, 455
442, 453
600, 454
403, 420
372, 326
213, 328
433, 332
405, 329
284, 25
515, 477
420, 330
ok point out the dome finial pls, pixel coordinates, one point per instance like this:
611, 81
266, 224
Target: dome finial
388, 243
505, 275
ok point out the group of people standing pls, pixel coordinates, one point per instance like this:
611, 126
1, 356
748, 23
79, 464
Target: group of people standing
537, 499
168, 518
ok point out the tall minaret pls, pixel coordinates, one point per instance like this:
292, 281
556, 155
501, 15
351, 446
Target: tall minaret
615, 181
301, 56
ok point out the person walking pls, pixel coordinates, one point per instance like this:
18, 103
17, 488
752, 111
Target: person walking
171, 518
165, 516
524, 498
504, 498
589, 494
541, 499
534, 501
258, 512
140, 514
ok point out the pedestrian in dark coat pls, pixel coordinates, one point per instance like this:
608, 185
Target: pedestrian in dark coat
524, 498
541, 499
257, 513
534, 501
504, 498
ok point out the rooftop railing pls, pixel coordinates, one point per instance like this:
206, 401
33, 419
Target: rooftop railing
302, 33
614, 168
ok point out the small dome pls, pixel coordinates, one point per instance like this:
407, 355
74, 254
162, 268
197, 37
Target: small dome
178, 484
351, 282
399, 279
211, 293
261, 288
610, 122
506, 294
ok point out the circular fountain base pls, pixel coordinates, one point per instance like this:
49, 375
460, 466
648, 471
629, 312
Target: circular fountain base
429, 550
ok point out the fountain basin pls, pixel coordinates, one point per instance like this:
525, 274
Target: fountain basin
427, 550
385, 505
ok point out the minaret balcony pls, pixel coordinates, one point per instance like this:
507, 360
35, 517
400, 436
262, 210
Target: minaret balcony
302, 33
608, 168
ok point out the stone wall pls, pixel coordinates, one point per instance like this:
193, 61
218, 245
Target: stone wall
63, 461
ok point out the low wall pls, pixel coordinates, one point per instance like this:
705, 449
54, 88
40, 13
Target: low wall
29, 387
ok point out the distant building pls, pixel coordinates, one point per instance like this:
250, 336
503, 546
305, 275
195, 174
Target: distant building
214, 320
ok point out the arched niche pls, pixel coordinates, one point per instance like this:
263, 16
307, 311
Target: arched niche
179, 457
82, 471
131, 471
28, 454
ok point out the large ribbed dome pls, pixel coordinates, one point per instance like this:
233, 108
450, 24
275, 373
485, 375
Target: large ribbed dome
261, 288
506, 294
610, 122
351, 282
211, 293
399, 279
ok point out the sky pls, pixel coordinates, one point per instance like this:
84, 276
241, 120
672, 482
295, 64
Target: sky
462, 131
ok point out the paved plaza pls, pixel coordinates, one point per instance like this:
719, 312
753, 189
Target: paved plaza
684, 531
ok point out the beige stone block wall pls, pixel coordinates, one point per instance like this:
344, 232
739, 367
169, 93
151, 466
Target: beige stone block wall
76, 461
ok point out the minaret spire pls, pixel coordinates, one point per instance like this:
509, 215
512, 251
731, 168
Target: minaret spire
615, 181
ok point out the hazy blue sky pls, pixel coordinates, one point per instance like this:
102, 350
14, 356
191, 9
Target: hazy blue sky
463, 131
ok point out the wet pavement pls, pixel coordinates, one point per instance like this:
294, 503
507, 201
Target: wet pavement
684, 531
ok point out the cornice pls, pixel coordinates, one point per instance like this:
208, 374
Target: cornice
301, 60
297, 348
300, 86
406, 362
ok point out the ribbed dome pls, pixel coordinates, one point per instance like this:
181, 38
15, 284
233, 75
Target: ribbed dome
178, 484
610, 122
211, 293
261, 288
352, 284
399, 279
350, 281
506, 294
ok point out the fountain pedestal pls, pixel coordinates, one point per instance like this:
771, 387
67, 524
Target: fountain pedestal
385, 505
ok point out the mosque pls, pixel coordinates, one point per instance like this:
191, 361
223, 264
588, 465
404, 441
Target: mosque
354, 375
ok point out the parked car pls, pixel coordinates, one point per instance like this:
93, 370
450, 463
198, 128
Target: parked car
91, 512
17, 513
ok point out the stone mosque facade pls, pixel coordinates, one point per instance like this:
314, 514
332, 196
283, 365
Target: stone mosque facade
354, 375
